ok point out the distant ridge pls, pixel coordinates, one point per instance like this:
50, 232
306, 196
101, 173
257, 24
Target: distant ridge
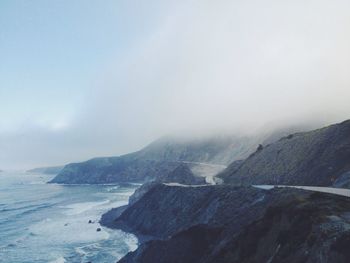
156, 160
161, 157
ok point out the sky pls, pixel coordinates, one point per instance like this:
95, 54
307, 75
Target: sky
86, 78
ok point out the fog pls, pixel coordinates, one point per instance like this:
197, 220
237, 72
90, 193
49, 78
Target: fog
202, 68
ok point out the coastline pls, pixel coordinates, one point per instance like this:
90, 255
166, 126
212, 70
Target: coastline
107, 220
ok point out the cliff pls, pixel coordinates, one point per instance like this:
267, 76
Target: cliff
228, 224
165, 210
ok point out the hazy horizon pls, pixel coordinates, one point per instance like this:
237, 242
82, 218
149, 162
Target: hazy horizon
81, 79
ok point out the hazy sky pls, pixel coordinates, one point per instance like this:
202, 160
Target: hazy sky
87, 78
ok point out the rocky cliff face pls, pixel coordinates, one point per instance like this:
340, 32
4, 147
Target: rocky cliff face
165, 210
228, 224
318, 158
308, 228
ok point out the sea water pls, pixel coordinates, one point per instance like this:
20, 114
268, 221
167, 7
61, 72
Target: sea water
42, 222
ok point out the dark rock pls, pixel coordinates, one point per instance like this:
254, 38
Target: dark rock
141, 191
186, 247
165, 210
287, 226
108, 218
98, 229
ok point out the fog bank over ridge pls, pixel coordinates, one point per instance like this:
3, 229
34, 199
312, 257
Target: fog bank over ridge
199, 68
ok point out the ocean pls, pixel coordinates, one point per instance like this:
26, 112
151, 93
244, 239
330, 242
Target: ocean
41, 223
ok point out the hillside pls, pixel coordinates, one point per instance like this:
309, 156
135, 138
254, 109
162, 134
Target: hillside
161, 156
155, 160
112, 170
320, 158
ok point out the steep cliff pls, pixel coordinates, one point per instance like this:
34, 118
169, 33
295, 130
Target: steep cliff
280, 226
165, 210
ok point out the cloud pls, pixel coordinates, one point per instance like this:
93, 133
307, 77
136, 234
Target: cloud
235, 63
207, 66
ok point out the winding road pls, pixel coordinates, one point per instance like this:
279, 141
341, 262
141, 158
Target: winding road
329, 190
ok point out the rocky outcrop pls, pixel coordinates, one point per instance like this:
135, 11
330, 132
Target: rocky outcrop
247, 225
316, 158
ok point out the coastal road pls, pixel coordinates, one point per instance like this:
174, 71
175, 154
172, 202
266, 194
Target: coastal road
330, 190
207, 170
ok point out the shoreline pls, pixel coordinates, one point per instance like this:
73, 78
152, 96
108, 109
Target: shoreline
107, 220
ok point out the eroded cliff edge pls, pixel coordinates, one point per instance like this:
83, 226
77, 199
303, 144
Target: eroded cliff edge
237, 224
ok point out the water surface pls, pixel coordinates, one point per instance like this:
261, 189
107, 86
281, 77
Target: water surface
42, 222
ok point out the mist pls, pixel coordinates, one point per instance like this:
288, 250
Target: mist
199, 68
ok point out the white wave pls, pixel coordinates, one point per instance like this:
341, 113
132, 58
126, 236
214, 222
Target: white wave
113, 188
73, 226
126, 193
105, 207
58, 260
69, 230
37, 182
131, 241
79, 208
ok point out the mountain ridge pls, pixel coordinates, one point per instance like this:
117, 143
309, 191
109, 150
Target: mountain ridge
318, 158
159, 157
